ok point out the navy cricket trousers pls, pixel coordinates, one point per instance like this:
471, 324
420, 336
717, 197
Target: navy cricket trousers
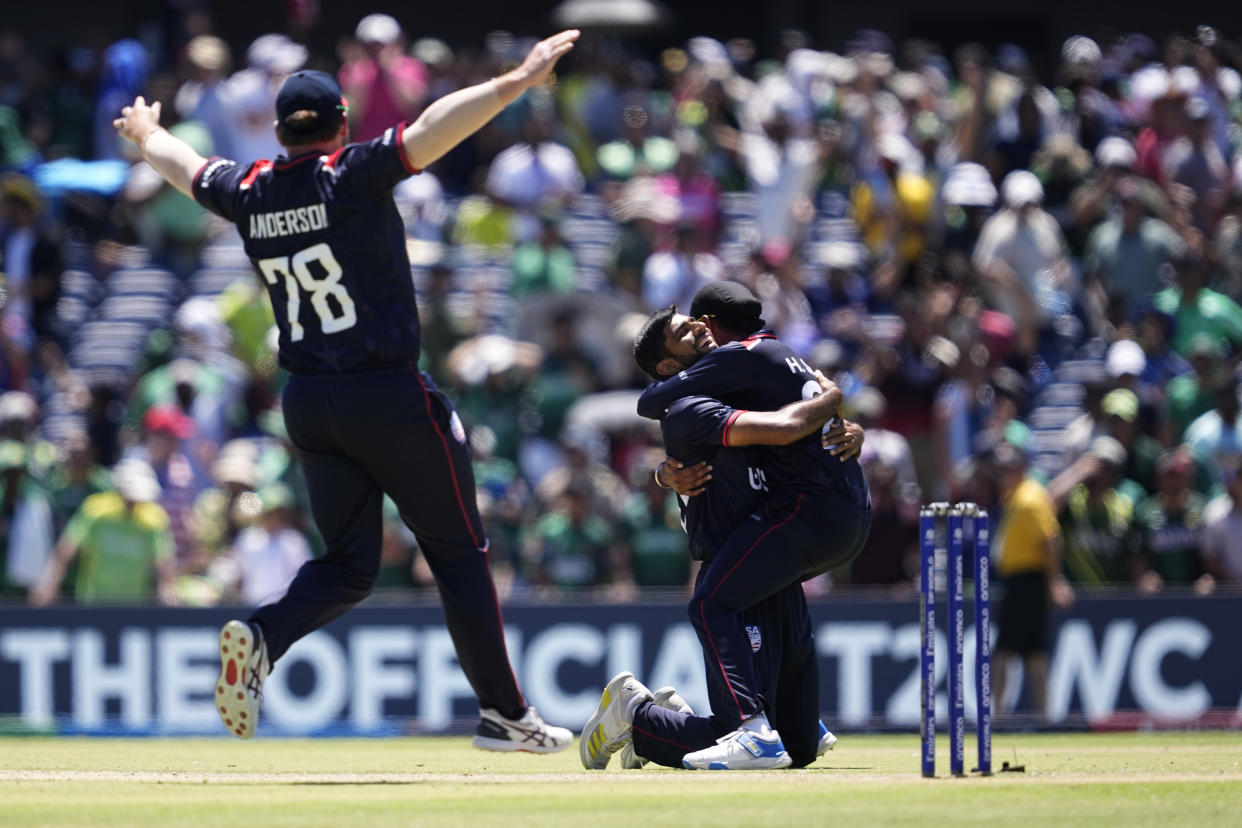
783, 646
811, 535
358, 436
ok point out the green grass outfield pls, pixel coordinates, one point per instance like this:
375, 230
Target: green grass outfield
1114, 780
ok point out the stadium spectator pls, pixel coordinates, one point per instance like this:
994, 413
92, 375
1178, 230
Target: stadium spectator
1126, 256
202, 97
1169, 525
1021, 253
1218, 433
651, 528
124, 543
573, 548
889, 558
26, 531
76, 476
30, 261
164, 427
250, 98
1197, 309
123, 75
1120, 408
544, 265
1096, 511
384, 86
268, 554
1222, 531
1195, 161
1191, 395
672, 276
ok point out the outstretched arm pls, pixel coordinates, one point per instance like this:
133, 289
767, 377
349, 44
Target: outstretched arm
172, 158
456, 116
788, 424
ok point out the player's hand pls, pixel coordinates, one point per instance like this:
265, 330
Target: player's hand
825, 384
138, 121
843, 440
543, 57
686, 481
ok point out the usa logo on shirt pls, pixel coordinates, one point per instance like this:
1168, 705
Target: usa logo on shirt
756, 637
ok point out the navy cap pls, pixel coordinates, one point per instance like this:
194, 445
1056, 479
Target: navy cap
316, 91
732, 303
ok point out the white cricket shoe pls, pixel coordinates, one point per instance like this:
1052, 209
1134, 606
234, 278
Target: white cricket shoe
741, 750
827, 741
529, 733
669, 699
243, 668
608, 729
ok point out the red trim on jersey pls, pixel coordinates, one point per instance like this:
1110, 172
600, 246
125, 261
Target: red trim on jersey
724, 437
651, 735
461, 504
281, 166
194, 179
258, 167
405, 159
719, 663
754, 339
330, 163
703, 604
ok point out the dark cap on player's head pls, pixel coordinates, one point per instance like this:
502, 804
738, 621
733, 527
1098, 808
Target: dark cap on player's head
731, 303
310, 90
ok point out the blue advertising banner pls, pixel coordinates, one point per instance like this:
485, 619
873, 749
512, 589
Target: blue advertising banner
385, 669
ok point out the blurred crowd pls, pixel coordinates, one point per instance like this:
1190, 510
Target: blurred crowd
990, 262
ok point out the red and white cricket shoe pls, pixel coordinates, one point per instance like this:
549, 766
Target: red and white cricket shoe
243, 668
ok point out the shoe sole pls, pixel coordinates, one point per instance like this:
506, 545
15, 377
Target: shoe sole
824, 748
506, 746
233, 703
592, 738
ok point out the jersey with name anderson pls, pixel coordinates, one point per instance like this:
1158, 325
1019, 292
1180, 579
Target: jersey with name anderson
695, 429
760, 373
327, 241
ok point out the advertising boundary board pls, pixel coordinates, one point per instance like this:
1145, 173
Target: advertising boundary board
387, 669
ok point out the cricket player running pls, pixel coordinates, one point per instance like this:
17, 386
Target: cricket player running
321, 228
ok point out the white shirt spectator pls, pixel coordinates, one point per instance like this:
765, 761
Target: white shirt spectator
1222, 537
250, 96
268, 562
524, 175
672, 277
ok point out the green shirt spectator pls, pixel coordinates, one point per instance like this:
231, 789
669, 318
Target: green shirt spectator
247, 310
1096, 528
544, 265
124, 542
652, 527
1189, 396
121, 547
1168, 539
1198, 310
571, 548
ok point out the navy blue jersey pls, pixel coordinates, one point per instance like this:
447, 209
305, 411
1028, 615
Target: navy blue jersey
760, 373
325, 236
697, 428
